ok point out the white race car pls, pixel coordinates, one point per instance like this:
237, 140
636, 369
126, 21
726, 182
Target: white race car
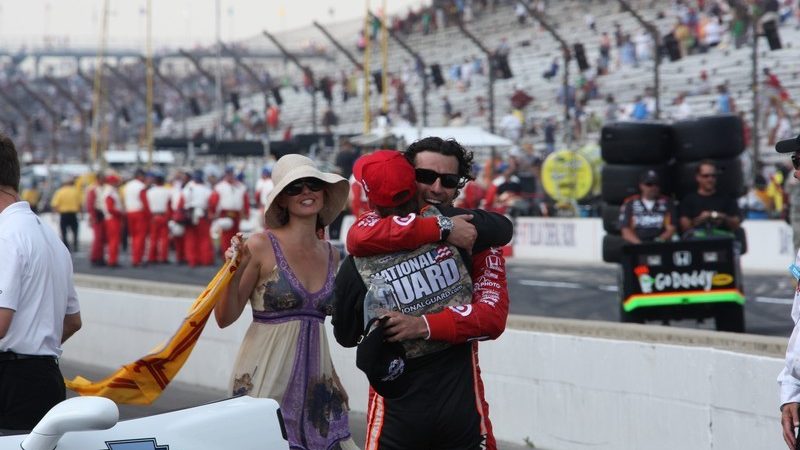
92, 423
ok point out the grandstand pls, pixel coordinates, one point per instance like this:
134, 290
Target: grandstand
56, 122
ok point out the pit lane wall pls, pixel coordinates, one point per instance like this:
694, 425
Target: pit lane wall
558, 384
770, 245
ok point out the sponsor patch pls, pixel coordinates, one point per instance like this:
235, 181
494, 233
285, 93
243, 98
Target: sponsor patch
722, 279
462, 310
404, 221
493, 262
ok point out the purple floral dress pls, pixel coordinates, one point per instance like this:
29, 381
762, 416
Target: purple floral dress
285, 356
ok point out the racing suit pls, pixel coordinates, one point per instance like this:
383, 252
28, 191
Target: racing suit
461, 325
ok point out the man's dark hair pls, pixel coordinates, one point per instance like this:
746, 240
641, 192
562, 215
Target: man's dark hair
705, 162
9, 163
449, 147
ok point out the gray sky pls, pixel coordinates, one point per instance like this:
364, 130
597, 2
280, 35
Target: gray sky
175, 22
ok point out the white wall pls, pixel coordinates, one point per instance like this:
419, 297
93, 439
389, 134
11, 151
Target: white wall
560, 391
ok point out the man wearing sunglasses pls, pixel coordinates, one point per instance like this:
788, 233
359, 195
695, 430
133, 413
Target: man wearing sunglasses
648, 216
789, 378
706, 208
441, 168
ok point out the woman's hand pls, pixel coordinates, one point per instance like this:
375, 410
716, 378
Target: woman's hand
234, 250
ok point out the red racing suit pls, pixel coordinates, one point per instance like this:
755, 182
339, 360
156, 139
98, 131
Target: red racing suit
484, 319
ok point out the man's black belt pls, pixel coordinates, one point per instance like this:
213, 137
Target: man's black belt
11, 356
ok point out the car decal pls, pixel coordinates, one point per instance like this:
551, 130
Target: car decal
135, 444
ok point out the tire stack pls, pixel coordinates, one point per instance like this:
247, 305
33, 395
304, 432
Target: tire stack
718, 138
629, 149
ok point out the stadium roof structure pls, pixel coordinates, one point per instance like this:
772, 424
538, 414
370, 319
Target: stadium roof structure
469, 136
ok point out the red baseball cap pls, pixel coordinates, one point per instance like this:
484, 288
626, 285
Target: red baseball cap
387, 177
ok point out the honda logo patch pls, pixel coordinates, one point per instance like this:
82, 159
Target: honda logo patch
682, 258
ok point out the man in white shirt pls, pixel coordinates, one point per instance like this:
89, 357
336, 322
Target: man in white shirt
789, 378
39, 307
234, 204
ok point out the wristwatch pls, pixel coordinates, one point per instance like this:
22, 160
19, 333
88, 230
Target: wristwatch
445, 226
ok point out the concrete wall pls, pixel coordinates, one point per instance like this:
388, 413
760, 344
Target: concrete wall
560, 391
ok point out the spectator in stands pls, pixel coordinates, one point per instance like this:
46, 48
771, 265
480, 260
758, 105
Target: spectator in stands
550, 128
707, 208
681, 109
447, 108
713, 32
552, 71
521, 13
511, 126
648, 216
703, 85
774, 86
329, 120
520, 99
639, 110
724, 101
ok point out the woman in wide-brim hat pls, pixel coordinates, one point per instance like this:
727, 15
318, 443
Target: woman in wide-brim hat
285, 353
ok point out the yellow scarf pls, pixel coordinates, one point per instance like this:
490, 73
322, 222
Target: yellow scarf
143, 381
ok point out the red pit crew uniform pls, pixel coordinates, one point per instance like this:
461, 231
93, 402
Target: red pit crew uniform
94, 206
138, 214
198, 247
484, 319
112, 223
233, 203
158, 199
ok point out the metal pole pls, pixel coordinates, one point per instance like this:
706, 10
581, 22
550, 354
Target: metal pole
339, 46
97, 91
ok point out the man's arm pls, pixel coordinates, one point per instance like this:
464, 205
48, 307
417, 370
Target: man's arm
72, 323
494, 229
348, 306
6, 316
485, 318
372, 235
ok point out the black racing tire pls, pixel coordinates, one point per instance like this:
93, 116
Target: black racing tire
636, 143
610, 214
619, 182
729, 317
730, 178
612, 248
711, 137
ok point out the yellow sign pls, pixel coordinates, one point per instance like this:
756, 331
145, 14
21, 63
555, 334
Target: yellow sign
567, 175
722, 279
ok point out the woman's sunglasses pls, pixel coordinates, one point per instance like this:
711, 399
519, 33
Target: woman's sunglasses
427, 176
296, 188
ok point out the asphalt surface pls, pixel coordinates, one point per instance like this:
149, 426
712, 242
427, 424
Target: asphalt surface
540, 288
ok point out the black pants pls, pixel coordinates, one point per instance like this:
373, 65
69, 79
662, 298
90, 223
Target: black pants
28, 389
439, 411
69, 222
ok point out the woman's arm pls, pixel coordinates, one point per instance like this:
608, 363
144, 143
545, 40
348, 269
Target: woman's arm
254, 254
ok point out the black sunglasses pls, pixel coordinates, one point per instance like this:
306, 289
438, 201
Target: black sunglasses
796, 161
427, 176
296, 188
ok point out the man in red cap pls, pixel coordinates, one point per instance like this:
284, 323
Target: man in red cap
437, 312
